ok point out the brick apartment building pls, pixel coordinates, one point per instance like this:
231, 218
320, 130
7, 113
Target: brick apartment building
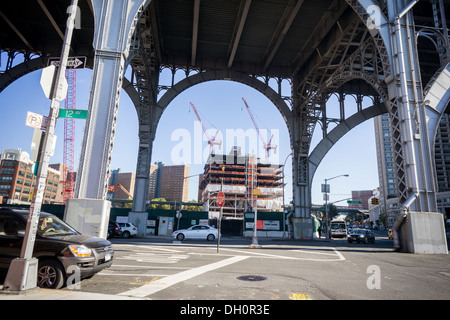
17, 180
363, 196
166, 182
174, 186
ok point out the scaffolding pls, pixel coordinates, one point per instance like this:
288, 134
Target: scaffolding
251, 182
237, 176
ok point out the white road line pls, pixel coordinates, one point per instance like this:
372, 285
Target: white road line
273, 256
146, 247
103, 273
168, 281
267, 255
145, 267
341, 257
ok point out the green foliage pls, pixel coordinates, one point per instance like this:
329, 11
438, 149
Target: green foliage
159, 206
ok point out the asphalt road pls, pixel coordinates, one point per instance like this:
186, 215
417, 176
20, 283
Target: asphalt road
161, 269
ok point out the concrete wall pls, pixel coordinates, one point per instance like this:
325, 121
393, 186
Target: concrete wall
425, 233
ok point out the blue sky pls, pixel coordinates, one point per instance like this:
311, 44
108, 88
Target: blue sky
220, 105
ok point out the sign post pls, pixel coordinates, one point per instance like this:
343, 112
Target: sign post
220, 202
23, 271
255, 244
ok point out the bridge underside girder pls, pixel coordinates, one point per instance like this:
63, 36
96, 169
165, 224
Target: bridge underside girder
325, 47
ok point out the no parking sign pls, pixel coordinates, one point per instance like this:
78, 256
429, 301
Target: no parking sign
35, 120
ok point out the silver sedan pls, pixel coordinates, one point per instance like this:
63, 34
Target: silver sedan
196, 232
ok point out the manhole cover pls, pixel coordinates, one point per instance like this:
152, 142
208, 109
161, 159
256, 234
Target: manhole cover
251, 278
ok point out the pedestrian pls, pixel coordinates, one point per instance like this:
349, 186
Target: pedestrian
320, 231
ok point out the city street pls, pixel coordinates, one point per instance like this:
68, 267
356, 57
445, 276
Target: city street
163, 269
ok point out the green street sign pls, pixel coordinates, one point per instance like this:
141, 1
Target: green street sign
356, 202
73, 113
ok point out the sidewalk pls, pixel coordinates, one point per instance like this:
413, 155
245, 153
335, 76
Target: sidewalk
48, 294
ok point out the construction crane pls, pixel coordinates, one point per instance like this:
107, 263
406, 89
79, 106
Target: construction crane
112, 189
211, 141
267, 146
69, 135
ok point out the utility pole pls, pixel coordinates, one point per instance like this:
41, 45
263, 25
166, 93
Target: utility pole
255, 244
326, 191
22, 272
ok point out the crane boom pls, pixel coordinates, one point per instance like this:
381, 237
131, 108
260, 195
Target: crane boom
267, 146
112, 189
211, 141
198, 117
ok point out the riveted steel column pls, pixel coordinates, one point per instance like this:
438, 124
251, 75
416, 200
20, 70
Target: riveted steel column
300, 143
409, 96
114, 23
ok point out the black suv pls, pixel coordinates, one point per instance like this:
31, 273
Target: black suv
361, 235
113, 230
57, 247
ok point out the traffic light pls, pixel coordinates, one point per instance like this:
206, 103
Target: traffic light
375, 201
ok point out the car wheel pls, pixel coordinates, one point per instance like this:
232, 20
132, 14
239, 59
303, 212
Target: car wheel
125, 234
350, 241
210, 237
366, 240
50, 274
180, 237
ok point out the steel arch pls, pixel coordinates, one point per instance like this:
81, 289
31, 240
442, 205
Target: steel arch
206, 76
325, 145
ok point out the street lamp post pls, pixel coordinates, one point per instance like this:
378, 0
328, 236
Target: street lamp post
255, 244
326, 190
284, 209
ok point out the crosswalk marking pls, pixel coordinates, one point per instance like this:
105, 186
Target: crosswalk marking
168, 281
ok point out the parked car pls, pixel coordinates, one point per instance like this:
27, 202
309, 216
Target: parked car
361, 235
113, 230
58, 246
128, 230
196, 232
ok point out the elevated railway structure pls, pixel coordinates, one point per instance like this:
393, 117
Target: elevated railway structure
396, 52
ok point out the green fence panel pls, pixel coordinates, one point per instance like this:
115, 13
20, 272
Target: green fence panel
271, 221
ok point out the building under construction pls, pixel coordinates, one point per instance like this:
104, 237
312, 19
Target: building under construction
237, 176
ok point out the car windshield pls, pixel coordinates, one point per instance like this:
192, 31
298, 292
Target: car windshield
51, 226
360, 232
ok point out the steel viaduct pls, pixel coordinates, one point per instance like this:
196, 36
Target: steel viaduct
395, 51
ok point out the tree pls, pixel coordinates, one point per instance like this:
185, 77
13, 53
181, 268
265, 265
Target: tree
332, 211
195, 207
382, 219
158, 205
128, 205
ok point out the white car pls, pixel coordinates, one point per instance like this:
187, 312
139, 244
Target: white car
128, 229
196, 232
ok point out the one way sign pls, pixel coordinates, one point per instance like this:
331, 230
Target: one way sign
72, 62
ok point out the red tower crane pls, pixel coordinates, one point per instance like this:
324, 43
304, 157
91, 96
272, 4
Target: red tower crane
211, 140
69, 135
267, 146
